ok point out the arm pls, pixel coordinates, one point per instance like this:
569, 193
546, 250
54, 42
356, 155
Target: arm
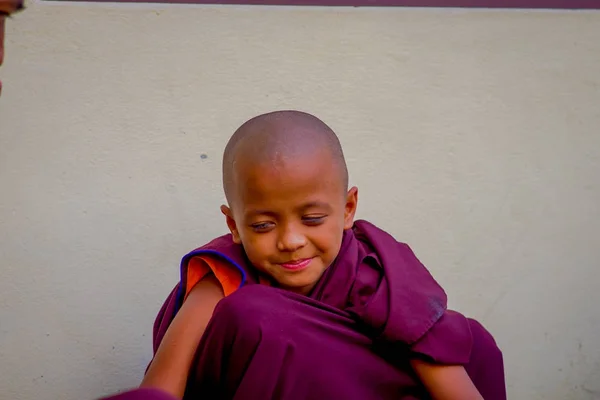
446, 382
170, 367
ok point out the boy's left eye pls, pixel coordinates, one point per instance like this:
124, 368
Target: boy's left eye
313, 219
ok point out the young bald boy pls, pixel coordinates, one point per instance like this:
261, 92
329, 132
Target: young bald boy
300, 301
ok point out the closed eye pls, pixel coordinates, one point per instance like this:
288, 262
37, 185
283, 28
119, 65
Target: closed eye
262, 227
313, 219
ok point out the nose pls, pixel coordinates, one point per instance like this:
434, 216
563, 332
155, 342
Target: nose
291, 239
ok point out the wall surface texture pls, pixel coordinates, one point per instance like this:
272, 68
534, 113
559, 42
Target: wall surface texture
472, 135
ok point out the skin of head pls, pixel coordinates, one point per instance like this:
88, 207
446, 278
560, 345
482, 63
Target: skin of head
289, 204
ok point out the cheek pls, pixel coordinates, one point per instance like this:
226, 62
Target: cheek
257, 247
328, 240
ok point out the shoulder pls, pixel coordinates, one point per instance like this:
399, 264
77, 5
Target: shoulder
457, 339
484, 344
367, 230
217, 244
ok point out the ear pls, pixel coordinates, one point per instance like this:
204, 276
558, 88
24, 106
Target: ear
350, 209
231, 224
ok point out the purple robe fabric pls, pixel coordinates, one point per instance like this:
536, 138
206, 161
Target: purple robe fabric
352, 337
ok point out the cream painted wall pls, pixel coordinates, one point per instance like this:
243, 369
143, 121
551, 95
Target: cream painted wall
472, 135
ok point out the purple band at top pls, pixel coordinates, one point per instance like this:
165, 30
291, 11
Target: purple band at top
533, 4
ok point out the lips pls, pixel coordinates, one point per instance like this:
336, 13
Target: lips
296, 265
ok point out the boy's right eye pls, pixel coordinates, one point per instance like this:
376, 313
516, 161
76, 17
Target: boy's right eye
261, 227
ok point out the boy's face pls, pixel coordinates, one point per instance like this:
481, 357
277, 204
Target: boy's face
290, 216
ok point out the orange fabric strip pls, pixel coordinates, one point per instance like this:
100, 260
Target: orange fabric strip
228, 275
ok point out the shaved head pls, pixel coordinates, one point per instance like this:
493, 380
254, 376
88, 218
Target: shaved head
278, 137
286, 183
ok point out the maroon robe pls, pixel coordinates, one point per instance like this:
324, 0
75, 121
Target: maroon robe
352, 337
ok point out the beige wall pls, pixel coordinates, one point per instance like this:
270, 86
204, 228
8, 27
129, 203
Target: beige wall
472, 135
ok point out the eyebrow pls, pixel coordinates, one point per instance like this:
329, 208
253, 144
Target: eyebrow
315, 204
305, 206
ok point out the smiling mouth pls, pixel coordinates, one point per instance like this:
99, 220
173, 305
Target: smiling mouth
297, 264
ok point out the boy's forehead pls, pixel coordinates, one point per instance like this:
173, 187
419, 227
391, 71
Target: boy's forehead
292, 181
